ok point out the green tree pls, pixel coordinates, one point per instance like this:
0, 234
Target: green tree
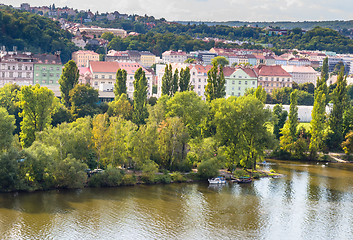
36, 103
222, 61
339, 100
184, 82
108, 36
10, 179
99, 136
293, 114
175, 84
9, 99
215, 87
280, 119
140, 113
317, 124
167, 80
68, 80
190, 60
120, 107
7, 127
348, 144
120, 83
84, 100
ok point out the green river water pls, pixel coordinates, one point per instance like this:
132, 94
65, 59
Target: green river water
313, 201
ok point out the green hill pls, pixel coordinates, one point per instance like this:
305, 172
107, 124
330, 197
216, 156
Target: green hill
34, 33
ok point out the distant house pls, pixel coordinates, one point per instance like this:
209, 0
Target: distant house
104, 76
82, 57
302, 74
174, 57
47, 69
239, 79
198, 78
273, 77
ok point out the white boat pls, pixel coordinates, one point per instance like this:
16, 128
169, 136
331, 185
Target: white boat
217, 180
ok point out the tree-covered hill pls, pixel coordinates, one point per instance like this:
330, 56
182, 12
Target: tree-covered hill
33, 33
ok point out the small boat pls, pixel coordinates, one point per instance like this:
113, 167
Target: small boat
217, 180
243, 180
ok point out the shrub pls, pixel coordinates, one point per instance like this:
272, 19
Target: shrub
208, 169
165, 178
129, 180
240, 173
149, 170
112, 177
178, 177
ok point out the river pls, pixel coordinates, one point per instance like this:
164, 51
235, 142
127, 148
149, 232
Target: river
311, 202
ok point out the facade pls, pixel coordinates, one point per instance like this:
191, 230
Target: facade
273, 77
198, 78
304, 74
238, 80
99, 31
47, 69
117, 56
82, 58
104, 74
147, 59
85, 75
174, 57
16, 68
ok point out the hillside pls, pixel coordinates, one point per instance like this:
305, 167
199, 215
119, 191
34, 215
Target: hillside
33, 33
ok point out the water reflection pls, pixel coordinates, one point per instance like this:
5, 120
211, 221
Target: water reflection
310, 202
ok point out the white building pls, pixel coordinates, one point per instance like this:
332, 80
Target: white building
174, 57
302, 74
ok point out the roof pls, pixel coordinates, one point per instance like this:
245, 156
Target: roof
112, 67
276, 70
227, 71
85, 52
84, 70
250, 71
299, 69
174, 53
47, 59
200, 68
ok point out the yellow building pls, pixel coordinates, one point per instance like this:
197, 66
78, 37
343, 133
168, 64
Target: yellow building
147, 59
82, 58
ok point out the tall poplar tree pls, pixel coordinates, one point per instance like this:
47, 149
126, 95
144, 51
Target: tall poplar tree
175, 84
215, 87
68, 80
293, 114
140, 98
317, 124
167, 80
184, 81
321, 83
120, 83
339, 100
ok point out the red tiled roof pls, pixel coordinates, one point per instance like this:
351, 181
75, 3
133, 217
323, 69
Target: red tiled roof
227, 71
250, 71
112, 67
200, 68
277, 71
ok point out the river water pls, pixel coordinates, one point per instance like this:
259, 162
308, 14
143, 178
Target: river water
311, 202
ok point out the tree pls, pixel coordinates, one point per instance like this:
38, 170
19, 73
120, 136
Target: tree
84, 100
172, 140
120, 107
68, 80
175, 84
190, 108
190, 60
339, 100
9, 99
280, 119
36, 103
222, 61
293, 114
215, 87
348, 144
100, 136
167, 80
120, 83
317, 124
140, 113
108, 36
7, 127
321, 83
184, 82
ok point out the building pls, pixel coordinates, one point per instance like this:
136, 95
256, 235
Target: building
147, 59
273, 77
198, 78
104, 75
16, 68
79, 42
204, 57
302, 74
85, 75
99, 31
239, 79
47, 69
82, 57
174, 57
119, 56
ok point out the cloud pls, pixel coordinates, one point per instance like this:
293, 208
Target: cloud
217, 10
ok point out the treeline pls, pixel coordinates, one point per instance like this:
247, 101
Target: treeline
178, 133
33, 33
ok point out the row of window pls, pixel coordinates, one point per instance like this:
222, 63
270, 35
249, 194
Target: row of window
273, 79
276, 85
111, 77
245, 82
51, 68
50, 75
19, 67
19, 75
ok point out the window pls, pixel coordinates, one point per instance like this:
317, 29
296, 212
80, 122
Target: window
44, 75
232, 93
233, 82
13, 67
8, 68
3, 74
103, 76
58, 68
239, 82
95, 83
11, 74
199, 79
239, 94
277, 79
19, 67
44, 68
57, 75
29, 75
96, 76
30, 68
51, 68
239, 76
26, 68
19, 74
199, 87
110, 76
51, 75
246, 82
266, 78
239, 88
253, 82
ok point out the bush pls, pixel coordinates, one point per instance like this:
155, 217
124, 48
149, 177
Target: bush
129, 180
112, 177
208, 169
165, 178
240, 173
178, 177
149, 170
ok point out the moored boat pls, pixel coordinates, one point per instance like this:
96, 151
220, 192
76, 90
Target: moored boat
217, 180
243, 180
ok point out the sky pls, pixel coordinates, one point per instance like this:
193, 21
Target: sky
215, 10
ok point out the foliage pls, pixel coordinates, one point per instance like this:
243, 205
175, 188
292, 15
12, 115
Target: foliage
222, 61
167, 80
149, 170
347, 145
120, 107
215, 87
140, 98
208, 169
120, 83
9, 99
111, 177
83, 99
36, 103
280, 119
10, 179
178, 177
184, 82
68, 80
7, 127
